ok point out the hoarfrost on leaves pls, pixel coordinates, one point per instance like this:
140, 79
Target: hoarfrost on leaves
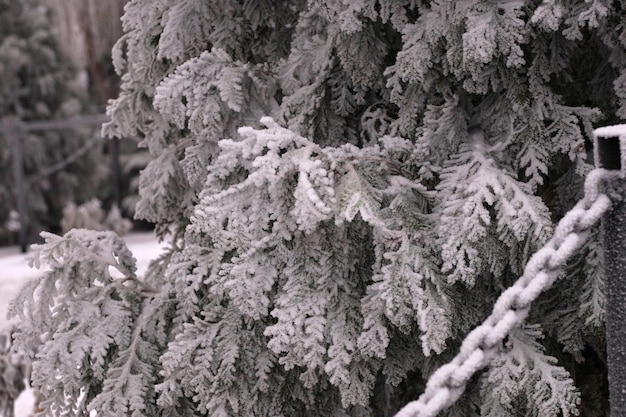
347, 188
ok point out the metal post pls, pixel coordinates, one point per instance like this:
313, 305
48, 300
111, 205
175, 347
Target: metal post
115, 167
610, 154
18, 178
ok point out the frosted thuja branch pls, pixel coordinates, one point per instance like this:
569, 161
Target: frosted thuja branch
447, 384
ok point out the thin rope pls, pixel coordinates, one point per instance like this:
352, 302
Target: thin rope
447, 384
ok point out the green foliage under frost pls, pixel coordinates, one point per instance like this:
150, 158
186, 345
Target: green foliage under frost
347, 187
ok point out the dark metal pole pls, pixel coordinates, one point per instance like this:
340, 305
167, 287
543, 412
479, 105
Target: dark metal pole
115, 167
20, 193
610, 149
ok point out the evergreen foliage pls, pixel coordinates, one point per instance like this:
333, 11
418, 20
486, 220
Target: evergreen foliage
91, 216
13, 374
36, 83
347, 187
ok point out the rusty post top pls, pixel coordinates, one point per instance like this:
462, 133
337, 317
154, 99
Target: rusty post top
610, 148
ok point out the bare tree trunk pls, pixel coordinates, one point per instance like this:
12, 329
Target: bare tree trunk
97, 76
76, 20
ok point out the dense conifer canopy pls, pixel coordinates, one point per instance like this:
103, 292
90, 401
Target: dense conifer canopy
347, 187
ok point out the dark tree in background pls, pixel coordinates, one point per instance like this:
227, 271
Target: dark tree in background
347, 188
37, 83
87, 30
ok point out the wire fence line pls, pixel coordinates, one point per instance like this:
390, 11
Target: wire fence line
16, 128
447, 384
61, 164
37, 125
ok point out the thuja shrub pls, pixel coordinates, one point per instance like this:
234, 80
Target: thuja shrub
347, 187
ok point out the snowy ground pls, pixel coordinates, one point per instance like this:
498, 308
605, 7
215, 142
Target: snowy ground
15, 272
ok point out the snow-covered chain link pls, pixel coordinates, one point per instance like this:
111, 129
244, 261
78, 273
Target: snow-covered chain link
447, 384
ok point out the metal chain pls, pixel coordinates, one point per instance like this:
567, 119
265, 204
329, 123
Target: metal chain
447, 384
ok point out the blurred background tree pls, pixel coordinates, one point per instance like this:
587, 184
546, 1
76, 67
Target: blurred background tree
56, 64
87, 31
38, 83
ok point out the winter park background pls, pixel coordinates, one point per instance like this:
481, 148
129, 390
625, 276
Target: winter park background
333, 194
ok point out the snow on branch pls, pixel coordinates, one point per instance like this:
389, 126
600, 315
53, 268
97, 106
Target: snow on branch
88, 311
484, 208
